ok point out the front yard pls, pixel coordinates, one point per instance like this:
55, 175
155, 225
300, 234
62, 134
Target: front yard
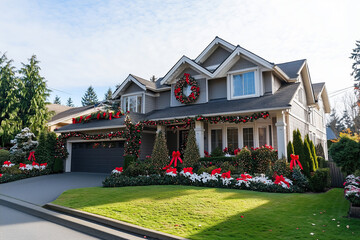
213, 213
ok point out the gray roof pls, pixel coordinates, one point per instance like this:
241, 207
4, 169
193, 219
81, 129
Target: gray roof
291, 68
115, 122
145, 82
330, 134
317, 87
281, 99
72, 111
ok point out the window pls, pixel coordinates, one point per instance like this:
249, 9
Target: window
216, 139
262, 136
243, 84
248, 137
133, 104
232, 138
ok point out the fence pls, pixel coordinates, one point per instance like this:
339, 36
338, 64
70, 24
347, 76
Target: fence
337, 178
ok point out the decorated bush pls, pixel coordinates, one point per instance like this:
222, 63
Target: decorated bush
244, 160
352, 189
282, 167
24, 144
299, 179
191, 154
261, 160
160, 157
321, 180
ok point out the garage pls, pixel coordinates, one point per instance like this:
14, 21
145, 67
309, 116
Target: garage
97, 157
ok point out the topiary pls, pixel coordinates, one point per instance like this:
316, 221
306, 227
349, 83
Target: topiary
299, 150
261, 160
191, 154
41, 152
282, 167
290, 150
243, 160
159, 156
321, 180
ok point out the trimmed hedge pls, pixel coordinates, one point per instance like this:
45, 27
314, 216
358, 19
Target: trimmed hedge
217, 159
10, 178
128, 160
321, 180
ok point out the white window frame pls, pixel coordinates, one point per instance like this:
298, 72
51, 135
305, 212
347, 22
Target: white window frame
136, 94
266, 126
238, 72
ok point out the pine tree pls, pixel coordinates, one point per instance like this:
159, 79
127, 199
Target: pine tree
191, 154
90, 97
69, 102
41, 152
160, 153
299, 150
108, 94
290, 150
33, 111
10, 123
308, 156
57, 100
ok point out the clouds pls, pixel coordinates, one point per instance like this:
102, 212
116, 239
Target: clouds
100, 42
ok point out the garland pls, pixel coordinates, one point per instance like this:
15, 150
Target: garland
185, 81
97, 115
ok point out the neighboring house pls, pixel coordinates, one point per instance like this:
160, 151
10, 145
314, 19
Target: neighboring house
232, 82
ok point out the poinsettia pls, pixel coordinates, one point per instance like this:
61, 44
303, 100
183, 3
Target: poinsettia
8, 164
117, 170
216, 171
226, 175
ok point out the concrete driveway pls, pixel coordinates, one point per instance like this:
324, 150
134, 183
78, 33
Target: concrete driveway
44, 189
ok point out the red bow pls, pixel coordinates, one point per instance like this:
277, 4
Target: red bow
43, 164
169, 170
175, 157
226, 175
119, 169
22, 165
244, 177
35, 164
217, 170
188, 170
280, 179
88, 117
7, 163
295, 161
187, 77
73, 120
110, 115
32, 156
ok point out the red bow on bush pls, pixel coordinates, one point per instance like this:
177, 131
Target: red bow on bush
43, 164
188, 170
215, 171
187, 75
175, 157
169, 170
119, 169
295, 161
7, 163
32, 156
226, 175
22, 165
280, 179
244, 177
35, 164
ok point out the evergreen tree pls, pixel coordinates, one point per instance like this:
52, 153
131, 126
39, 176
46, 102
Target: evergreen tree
90, 97
108, 94
335, 123
290, 150
41, 152
299, 150
69, 102
313, 153
355, 55
50, 146
10, 123
57, 100
159, 156
191, 154
24, 144
308, 156
33, 111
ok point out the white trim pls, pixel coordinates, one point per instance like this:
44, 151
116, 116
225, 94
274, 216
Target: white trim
90, 129
239, 71
212, 67
135, 94
123, 84
69, 117
214, 42
256, 83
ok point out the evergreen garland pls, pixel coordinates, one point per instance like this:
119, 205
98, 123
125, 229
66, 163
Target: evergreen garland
191, 154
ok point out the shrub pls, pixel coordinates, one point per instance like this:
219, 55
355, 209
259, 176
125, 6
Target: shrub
227, 166
313, 153
58, 166
23, 145
282, 167
128, 160
191, 154
299, 179
261, 160
9, 178
207, 170
42, 152
308, 156
217, 159
322, 162
51, 146
346, 154
244, 159
320, 181
217, 152
159, 156
11, 170
4, 156
290, 150
299, 150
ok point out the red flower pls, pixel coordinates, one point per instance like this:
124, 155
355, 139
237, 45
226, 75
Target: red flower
226, 175
225, 149
119, 169
188, 169
216, 171
244, 177
1, 175
236, 151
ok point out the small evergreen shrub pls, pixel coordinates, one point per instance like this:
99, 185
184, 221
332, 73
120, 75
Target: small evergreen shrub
58, 166
290, 150
24, 144
4, 156
300, 179
308, 158
227, 166
299, 150
346, 154
217, 159
244, 160
322, 162
321, 180
191, 154
42, 152
128, 160
160, 153
261, 160
282, 167
51, 146
217, 152
313, 153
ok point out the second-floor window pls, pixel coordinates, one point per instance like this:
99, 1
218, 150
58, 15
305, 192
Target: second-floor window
243, 84
132, 103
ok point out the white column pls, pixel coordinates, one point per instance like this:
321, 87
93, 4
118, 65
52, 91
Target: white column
281, 134
68, 159
199, 135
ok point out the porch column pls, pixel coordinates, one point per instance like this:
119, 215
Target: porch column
281, 134
199, 135
160, 128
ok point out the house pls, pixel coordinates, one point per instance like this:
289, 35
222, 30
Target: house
229, 95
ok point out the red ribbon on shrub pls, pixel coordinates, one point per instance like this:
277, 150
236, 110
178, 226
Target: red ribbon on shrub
119, 169
35, 163
22, 165
188, 170
43, 164
295, 161
32, 156
175, 156
7, 163
217, 170
280, 179
244, 177
226, 175
169, 170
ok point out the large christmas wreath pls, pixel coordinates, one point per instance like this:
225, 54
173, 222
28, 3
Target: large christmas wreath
187, 89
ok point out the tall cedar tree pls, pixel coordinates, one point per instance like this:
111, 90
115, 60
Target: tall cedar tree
10, 123
41, 152
108, 94
160, 153
33, 111
90, 97
290, 150
308, 156
299, 150
57, 100
313, 153
191, 154
50, 146
70, 103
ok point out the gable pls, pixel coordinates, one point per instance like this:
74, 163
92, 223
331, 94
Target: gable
188, 70
132, 88
242, 64
216, 58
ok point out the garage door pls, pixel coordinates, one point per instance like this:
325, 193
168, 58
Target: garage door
98, 157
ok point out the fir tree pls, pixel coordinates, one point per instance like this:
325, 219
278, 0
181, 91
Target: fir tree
108, 94
159, 156
308, 156
69, 102
290, 150
191, 154
355, 55
33, 111
313, 153
24, 144
57, 100
90, 97
41, 152
299, 150
50, 146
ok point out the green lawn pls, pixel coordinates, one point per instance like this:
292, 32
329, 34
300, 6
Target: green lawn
211, 213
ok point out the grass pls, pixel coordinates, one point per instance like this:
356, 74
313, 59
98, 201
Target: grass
211, 213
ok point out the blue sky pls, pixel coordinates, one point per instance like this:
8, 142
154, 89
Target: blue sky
98, 43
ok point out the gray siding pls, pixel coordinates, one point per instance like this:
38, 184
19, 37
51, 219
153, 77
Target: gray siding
267, 80
150, 103
201, 98
188, 70
133, 88
147, 144
277, 84
217, 88
242, 64
163, 101
217, 57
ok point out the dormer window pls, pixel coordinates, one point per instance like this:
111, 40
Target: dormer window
132, 103
243, 84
